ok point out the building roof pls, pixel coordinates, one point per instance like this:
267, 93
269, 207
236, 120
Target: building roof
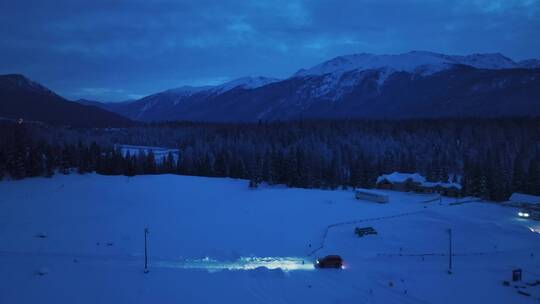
370, 192
524, 198
397, 177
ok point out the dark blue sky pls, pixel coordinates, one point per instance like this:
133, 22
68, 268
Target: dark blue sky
115, 50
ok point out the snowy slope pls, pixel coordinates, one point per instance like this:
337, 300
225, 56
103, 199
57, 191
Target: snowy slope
245, 83
426, 62
209, 238
162, 105
189, 90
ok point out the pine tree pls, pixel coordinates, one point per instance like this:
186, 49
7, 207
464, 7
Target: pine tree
16, 156
518, 176
2, 164
34, 162
532, 184
150, 163
65, 160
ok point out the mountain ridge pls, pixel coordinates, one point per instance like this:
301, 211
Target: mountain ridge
417, 84
22, 98
352, 80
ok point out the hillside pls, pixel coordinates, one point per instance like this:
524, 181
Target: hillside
23, 98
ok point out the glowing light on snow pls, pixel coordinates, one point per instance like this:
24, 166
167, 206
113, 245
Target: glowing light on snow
534, 229
243, 263
523, 214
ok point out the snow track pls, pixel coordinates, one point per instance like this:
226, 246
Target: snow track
243, 263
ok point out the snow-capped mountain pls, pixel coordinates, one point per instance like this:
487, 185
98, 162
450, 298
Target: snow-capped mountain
168, 104
189, 90
414, 84
245, 83
415, 61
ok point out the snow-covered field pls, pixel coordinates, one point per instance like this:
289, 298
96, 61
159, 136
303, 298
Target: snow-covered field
160, 153
79, 239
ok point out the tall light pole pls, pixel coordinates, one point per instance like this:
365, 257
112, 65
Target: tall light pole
449, 250
145, 250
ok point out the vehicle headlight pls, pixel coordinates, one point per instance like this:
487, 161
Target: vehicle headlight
526, 214
520, 213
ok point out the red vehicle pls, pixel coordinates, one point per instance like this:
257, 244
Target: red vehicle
330, 261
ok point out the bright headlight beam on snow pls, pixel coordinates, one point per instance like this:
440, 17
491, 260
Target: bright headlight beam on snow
243, 263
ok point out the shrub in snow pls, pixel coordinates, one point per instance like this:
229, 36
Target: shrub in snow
253, 184
42, 271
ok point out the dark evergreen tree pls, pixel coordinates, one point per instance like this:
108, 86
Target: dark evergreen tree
532, 183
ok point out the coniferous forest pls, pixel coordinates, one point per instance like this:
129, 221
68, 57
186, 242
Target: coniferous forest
490, 157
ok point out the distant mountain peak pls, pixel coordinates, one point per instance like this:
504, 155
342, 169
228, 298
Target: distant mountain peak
413, 84
189, 90
246, 83
409, 62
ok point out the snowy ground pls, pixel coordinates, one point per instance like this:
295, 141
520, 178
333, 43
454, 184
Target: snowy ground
215, 241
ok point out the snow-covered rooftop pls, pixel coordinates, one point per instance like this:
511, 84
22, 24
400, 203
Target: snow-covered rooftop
397, 177
524, 198
370, 191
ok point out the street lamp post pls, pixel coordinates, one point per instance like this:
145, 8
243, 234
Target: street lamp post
145, 250
449, 250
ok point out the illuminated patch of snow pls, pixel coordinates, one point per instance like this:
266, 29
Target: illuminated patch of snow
243, 263
160, 153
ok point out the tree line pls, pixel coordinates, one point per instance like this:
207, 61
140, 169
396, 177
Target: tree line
490, 157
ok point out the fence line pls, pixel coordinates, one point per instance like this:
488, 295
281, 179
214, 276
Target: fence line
434, 199
325, 234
